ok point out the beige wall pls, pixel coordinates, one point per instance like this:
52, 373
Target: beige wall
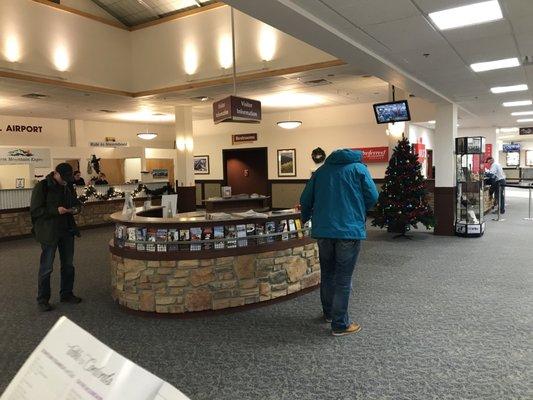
328, 127
9, 173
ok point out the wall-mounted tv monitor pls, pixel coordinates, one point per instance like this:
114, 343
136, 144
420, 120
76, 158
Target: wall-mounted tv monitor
395, 111
511, 148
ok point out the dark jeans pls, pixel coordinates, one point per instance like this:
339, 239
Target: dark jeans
337, 263
66, 254
498, 188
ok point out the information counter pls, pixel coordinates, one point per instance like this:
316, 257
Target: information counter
193, 263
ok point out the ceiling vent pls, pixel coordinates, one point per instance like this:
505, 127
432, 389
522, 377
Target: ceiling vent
108, 111
35, 96
158, 114
317, 82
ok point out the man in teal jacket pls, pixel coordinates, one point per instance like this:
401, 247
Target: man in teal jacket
337, 199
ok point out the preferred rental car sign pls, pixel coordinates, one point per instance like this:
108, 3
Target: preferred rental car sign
374, 154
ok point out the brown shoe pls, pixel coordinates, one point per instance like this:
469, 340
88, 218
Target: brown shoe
352, 328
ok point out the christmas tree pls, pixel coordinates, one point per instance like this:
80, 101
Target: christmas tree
403, 203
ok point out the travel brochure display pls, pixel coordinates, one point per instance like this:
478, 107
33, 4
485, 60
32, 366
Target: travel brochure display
208, 237
72, 364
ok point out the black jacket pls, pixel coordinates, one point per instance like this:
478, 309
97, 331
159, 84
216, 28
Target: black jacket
48, 224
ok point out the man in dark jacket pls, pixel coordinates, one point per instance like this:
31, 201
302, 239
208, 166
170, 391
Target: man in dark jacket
53, 204
337, 199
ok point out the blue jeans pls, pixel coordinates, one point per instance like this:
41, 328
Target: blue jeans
337, 263
65, 245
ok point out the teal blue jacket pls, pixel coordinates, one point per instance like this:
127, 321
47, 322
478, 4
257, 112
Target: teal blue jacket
338, 196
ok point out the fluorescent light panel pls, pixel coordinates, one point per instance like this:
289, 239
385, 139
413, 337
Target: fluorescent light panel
508, 89
517, 103
497, 64
525, 120
472, 14
518, 113
508, 130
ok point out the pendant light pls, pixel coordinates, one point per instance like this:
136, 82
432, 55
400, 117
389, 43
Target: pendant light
147, 135
290, 123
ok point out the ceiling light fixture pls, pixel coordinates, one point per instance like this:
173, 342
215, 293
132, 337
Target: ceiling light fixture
289, 124
472, 14
508, 130
497, 64
518, 113
432, 122
524, 120
508, 89
147, 135
517, 103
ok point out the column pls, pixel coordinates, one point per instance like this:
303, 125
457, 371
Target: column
444, 161
183, 168
76, 132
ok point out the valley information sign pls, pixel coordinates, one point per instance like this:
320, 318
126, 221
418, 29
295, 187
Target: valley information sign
237, 109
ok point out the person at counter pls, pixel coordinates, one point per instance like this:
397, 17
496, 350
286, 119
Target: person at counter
337, 199
78, 180
497, 183
101, 180
52, 208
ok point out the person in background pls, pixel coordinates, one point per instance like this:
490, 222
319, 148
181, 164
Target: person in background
52, 208
497, 188
336, 199
78, 180
101, 179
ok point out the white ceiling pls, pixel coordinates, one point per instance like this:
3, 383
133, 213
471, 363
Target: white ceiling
400, 32
345, 85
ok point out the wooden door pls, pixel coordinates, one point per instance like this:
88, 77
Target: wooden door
161, 163
429, 170
113, 168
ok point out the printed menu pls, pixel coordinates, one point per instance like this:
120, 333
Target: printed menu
71, 364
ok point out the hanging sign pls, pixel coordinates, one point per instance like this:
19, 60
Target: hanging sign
488, 151
374, 154
420, 149
243, 138
39, 158
237, 109
526, 131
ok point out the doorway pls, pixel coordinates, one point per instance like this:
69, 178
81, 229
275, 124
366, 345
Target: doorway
246, 170
429, 170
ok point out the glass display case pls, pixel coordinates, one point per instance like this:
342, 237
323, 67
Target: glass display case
469, 212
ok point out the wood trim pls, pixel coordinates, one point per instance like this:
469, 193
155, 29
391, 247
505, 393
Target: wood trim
176, 16
206, 254
285, 181
66, 84
188, 86
114, 24
241, 78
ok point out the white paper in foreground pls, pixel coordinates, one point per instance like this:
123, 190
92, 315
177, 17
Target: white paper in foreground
71, 364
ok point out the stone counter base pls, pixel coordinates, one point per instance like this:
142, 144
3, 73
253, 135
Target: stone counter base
213, 284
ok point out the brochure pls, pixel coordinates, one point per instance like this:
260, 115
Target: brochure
131, 234
230, 233
172, 237
184, 237
292, 228
140, 235
151, 234
218, 233
207, 234
298, 224
196, 235
250, 231
270, 228
241, 233
70, 364
260, 231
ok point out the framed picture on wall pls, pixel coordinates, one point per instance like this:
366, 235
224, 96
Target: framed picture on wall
513, 159
20, 183
529, 158
201, 165
287, 162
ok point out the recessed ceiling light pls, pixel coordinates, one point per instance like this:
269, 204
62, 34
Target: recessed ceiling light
525, 120
517, 103
507, 89
518, 113
35, 96
432, 122
508, 130
497, 64
108, 111
472, 14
